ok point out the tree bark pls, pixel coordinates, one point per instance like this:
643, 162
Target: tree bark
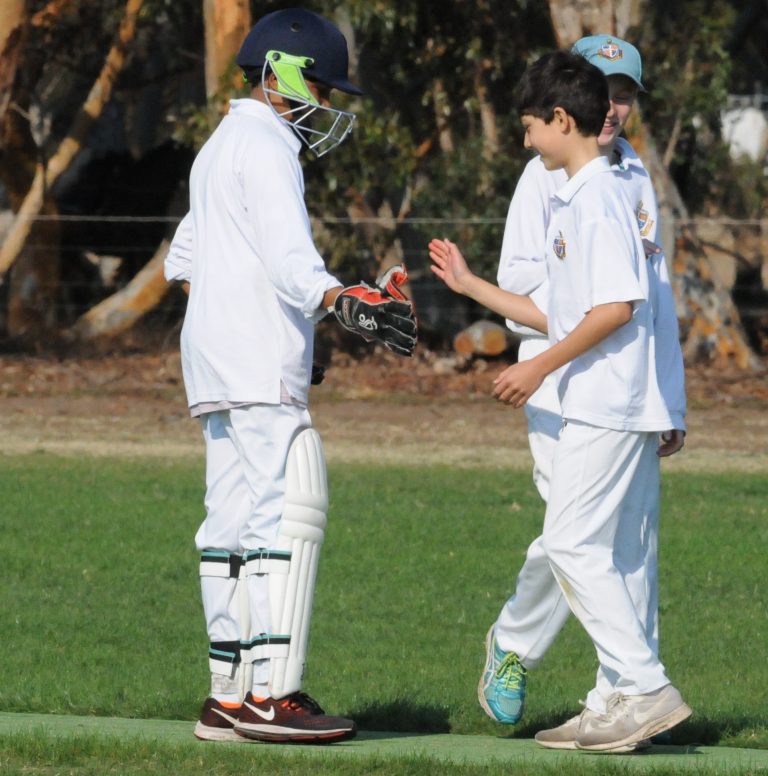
34, 283
488, 124
710, 326
12, 14
442, 110
573, 19
122, 310
226, 24
70, 147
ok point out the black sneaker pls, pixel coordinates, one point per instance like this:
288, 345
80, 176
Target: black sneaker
217, 722
296, 718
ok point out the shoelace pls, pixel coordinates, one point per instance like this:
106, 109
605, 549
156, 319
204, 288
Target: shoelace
300, 700
616, 703
511, 672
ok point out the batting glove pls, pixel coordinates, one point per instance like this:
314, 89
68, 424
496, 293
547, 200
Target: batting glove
390, 283
375, 315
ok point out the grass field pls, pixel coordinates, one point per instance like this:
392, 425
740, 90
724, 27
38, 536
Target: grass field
100, 612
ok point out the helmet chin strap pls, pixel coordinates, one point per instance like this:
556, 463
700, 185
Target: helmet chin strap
321, 128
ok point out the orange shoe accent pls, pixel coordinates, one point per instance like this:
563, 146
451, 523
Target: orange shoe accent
229, 705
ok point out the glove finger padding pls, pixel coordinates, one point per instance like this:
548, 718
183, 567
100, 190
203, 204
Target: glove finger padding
367, 312
392, 281
399, 333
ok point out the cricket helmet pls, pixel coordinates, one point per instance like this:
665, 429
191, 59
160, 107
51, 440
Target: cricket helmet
305, 34
297, 46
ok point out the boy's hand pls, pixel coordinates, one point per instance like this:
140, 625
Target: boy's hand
449, 265
517, 383
368, 312
671, 442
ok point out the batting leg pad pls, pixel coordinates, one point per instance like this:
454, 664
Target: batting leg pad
301, 534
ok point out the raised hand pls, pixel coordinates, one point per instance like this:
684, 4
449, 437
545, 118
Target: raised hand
449, 265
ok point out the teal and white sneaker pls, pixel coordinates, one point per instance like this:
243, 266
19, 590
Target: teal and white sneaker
501, 690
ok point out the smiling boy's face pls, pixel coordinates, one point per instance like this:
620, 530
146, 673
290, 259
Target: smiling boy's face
622, 92
546, 139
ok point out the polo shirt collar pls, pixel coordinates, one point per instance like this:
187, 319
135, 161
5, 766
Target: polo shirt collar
568, 190
627, 156
247, 106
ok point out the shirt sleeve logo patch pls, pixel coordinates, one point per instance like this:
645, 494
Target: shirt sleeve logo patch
559, 246
644, 222
609, 50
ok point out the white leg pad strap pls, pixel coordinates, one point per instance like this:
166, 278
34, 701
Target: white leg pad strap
244, 675
292, 583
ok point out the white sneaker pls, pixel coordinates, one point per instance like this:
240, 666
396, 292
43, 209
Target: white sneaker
631, 719
564, 736
561, 737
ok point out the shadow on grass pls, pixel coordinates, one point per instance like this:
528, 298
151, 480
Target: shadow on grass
402, 716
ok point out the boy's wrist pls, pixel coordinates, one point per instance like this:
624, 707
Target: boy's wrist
545, 363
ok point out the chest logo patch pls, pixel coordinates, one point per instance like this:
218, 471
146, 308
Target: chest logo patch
559, 246
644, 222
609, 50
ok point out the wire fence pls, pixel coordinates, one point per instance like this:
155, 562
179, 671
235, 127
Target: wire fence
89, 243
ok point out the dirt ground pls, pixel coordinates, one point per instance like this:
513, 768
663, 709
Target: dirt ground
429, 409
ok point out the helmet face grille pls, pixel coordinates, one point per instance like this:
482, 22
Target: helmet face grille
320, 128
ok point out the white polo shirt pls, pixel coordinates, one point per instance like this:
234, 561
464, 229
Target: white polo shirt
256, 278
594, 255
522, 267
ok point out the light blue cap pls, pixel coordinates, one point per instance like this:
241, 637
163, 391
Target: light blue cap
612, 55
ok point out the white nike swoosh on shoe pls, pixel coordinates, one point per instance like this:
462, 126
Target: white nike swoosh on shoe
232, 720
641, 718
265, 715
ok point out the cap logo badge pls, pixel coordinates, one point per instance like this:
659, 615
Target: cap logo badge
609, 50
559, 246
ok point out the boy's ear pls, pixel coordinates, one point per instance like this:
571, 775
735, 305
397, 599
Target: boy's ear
561, 119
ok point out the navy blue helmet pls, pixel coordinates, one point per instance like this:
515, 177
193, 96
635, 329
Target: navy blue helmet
305, 34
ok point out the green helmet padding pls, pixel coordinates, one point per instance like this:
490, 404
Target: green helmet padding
290, 79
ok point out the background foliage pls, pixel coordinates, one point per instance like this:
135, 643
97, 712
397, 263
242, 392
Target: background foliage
437, 141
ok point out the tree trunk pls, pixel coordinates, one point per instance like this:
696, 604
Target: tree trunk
488, 124
573, 19
70, 147
12, 14
33, 289
226, 24
442, 110
710, 327
122, 310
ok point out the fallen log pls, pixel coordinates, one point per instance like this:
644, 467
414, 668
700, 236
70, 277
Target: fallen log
119, 312
483, 338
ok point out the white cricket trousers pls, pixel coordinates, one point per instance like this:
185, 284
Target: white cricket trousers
599, 476
531, 619
246, 451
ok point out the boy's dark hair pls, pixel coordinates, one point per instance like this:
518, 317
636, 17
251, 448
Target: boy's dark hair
565, 80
